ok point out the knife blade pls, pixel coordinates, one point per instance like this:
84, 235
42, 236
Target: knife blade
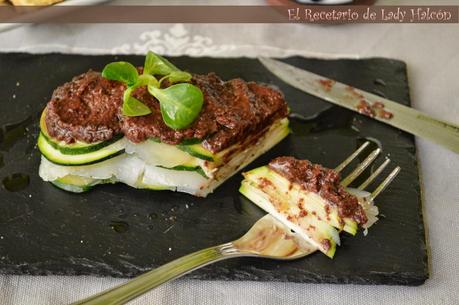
384, 110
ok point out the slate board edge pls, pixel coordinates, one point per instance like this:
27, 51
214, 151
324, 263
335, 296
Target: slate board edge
389, 279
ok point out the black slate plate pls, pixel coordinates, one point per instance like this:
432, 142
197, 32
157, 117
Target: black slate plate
118, 231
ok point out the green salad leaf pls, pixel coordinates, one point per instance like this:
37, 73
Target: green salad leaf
132, 106
180, 103
145, 80
121, 71
177, 77
157, 65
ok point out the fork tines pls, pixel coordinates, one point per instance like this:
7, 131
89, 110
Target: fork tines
363, 165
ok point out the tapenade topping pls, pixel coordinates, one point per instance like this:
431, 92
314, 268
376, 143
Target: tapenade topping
89, 109
321, 180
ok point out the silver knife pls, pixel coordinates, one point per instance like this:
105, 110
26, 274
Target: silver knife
381, 109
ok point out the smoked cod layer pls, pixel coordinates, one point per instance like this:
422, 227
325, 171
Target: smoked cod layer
85, 139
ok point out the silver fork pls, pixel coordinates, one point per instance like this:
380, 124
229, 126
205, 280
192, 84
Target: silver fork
268, 238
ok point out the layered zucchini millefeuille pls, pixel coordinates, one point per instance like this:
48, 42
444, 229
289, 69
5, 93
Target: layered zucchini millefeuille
156, 127
309, 199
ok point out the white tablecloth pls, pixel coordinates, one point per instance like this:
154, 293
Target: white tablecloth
431, 52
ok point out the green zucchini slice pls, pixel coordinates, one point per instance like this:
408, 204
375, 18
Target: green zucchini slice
56, 156
76, 148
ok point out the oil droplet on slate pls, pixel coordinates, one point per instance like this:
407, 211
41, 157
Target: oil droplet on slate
12, 133
16, 182
119, 226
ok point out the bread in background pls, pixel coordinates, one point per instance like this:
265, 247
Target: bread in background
33, 2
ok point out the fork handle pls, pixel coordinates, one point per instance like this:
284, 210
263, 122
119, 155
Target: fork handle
133, 288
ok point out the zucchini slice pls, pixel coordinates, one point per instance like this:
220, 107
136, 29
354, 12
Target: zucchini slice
162, 154
77, 184
154, 187
318, 233
197, 169
56, 156
186, 181
76, 148
276, 185
198, 151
